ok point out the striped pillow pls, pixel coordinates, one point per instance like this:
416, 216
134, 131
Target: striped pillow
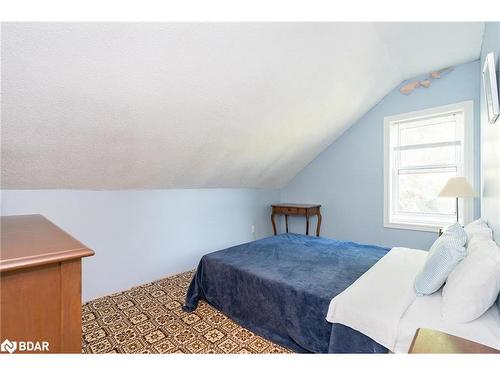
446, 252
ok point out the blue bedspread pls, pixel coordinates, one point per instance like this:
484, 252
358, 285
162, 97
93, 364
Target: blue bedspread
280, 288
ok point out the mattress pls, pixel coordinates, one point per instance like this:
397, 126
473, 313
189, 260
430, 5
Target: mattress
280, 288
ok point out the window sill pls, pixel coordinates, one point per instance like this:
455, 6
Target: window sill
418, 227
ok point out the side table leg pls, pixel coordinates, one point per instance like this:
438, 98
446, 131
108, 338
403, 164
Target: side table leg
318, 227
274, 223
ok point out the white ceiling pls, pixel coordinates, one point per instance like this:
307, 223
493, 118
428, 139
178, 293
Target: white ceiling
172, 105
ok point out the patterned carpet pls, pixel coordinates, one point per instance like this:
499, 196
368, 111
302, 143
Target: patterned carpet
149, 319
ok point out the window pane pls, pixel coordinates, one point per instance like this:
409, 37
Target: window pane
418, 193
433, 133
428, 156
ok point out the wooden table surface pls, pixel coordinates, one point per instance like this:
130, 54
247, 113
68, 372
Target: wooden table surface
431, 341
31, 240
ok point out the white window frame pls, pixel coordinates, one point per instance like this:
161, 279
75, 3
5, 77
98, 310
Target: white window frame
466, 206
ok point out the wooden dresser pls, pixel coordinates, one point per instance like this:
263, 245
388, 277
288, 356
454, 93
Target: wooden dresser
40, 288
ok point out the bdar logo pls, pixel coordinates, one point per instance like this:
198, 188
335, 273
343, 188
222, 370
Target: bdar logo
24, 346
8, 346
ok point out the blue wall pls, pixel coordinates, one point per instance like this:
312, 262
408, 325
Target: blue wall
140, 236
347, 178
490, 142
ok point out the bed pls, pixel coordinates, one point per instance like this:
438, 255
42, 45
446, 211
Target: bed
281, 287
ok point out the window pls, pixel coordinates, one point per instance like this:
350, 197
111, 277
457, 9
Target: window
423, 150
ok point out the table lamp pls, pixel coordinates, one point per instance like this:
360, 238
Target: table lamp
457, 187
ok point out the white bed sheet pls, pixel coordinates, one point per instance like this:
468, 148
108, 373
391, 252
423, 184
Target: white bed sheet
382, 305
425, 312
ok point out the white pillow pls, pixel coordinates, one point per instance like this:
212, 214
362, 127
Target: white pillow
473, 286
478, 228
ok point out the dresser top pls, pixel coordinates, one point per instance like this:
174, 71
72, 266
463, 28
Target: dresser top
32, 240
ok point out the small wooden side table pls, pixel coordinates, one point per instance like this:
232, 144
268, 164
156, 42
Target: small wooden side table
294, 209
431, 341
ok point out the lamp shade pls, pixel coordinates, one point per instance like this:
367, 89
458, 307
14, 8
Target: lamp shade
457, 187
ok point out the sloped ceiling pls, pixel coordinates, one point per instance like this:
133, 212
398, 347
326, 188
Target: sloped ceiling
167, 105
